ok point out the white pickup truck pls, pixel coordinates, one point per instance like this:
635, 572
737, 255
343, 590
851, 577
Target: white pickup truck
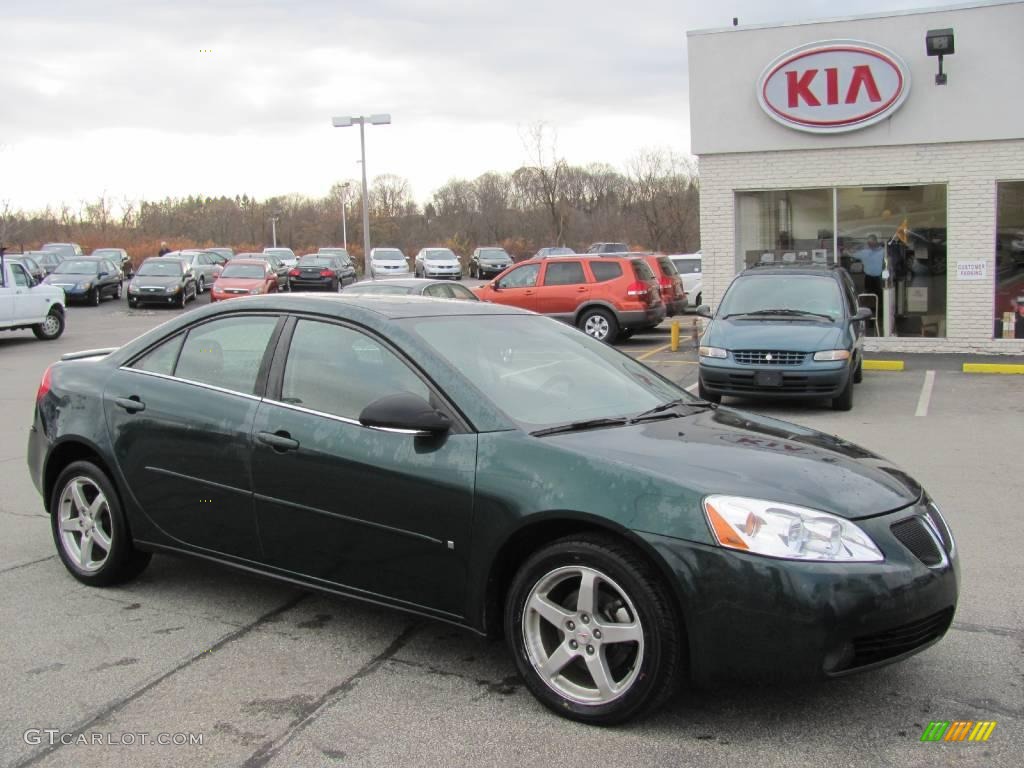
27, 304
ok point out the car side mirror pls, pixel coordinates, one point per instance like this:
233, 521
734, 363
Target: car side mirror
102, 274
704, 311
495, 286
405, 411
863, 313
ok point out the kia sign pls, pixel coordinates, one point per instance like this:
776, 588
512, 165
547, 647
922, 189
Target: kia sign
833, 86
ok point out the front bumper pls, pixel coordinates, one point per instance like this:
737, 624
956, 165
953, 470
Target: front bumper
807, 380
757, 618
437, 273
154, 297
492, 270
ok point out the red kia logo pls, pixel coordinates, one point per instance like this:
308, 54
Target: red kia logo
833, 86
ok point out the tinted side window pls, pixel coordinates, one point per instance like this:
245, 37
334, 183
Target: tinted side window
564, 273
687, 266
439, 291
524, 277
336, 370
226, 353
641, 270
162, 358
21, 277
605, 270
461, 292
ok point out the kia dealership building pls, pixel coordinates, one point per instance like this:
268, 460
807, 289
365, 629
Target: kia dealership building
892, 145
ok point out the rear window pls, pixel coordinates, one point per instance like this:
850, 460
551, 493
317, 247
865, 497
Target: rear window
687, 266
316, 261
604, 271
667, 267
564, 273
641, 270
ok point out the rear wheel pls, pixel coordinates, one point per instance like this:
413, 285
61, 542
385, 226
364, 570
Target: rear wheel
90, 530
52, 326
593, 631
600, 324
202, 284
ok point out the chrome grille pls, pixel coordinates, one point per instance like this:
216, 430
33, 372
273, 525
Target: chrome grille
767, 357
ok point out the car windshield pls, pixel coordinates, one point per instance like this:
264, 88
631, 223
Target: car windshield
245, 271
493, 253
76, 267
280, 252
439, 253
793, 293
391, 254
316, 261
541, 373
164, 267
687, 266
107, 253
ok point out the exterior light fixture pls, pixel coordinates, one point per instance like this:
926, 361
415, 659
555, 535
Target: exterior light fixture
939, 42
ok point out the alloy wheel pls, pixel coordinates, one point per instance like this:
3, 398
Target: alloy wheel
202, 284
51, 325
597, 326
583, 635
86, 528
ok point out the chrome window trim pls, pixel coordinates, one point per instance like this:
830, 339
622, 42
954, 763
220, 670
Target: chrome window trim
213, 387
346, 419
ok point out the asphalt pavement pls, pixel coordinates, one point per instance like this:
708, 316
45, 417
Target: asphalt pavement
268, 675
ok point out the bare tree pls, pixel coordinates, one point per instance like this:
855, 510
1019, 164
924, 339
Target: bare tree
546, 177
11, 224
389, 196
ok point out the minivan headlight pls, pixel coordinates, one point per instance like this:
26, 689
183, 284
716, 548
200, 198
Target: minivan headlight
712, 352
832, 355
787, 531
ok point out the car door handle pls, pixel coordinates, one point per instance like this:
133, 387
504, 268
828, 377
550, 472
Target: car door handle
528, 293
280, 441
582, 289
131, 404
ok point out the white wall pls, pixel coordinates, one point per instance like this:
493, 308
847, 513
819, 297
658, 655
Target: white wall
970, 171
983, 100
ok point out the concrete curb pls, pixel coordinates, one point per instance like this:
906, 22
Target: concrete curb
993, 368
883, 365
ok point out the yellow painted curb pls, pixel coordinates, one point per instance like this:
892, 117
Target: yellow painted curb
993, 368
883, 365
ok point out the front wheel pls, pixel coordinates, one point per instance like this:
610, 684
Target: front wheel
202, 284
120, 289
90, 530
52, 326
94, 297
600, 324
844, 402
593, 630
858, 374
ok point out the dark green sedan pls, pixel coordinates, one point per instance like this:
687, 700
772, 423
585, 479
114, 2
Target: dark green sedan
501, 471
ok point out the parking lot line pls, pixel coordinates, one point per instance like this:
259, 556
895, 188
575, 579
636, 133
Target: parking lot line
883, 365
652, 352
926, 394
993, 368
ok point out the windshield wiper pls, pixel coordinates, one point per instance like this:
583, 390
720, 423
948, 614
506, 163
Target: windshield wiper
800, 312
677, 403
578, 426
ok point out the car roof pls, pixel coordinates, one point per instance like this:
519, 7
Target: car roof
794, 269
390, 306
401, 282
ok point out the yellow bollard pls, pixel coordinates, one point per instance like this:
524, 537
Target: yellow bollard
674, 346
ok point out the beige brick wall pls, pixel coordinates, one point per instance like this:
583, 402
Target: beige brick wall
969, 171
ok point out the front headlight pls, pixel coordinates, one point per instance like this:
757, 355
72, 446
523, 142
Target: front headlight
254, 291
175, 289
787, 531
85, 286
712, 352
833, 355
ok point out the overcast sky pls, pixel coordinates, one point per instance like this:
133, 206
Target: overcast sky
122, 96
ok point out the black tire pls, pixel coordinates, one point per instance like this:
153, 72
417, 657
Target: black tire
117, 294
703, 394
657, 671
202, 284
338, 285
132, 303
182, 298
122, 561
599, 324
626, 333
858, 374
844, 401
94, 297
52, 327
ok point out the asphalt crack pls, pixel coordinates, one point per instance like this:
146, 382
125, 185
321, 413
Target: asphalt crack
311, 711
988, 629
26, 565
114, 707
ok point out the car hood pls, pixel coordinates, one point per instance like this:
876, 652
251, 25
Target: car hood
68, 279
724, 451
790, 335
161, 280
442, 262
238, 282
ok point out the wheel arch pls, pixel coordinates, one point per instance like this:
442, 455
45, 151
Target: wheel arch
594, 304
68, 452
547, 527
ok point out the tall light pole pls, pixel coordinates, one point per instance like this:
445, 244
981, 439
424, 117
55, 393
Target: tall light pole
346, 122
273, 227
344, 216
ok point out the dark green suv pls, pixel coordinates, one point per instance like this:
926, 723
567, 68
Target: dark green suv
785, 331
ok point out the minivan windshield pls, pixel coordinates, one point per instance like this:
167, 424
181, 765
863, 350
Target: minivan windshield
542, 373
781, 294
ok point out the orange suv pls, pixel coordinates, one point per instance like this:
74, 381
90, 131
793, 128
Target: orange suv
605, 296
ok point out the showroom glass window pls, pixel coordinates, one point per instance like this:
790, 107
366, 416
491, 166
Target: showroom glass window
1009, 283
891, 239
